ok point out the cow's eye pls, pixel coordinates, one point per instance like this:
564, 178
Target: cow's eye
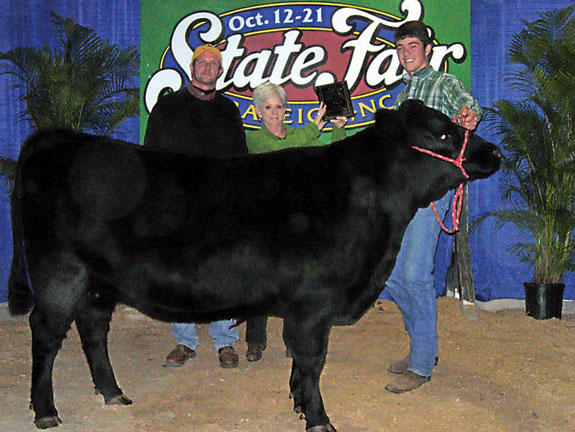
445, 137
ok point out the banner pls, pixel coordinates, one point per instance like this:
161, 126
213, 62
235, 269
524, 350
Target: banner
299, 45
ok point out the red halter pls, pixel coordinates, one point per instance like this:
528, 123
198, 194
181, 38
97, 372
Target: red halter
458, 197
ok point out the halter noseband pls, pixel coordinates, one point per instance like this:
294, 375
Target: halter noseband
458, 197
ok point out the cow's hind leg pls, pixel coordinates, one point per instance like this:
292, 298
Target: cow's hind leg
93, 317
58, 283
308, 342
48, 331
295, 377
295, 387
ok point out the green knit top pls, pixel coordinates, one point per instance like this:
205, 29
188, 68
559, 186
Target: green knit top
262, 140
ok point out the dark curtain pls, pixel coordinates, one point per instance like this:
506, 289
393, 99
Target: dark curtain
497, 273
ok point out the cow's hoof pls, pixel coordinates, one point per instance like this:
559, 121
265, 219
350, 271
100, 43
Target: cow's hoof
119, 400
321, 428
47, 422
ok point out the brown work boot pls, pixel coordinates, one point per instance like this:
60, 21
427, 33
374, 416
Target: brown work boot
399, 367
254, 352
406, 382
179, 355
228, 357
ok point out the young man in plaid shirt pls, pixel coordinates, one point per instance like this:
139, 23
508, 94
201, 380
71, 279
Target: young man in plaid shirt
411, 283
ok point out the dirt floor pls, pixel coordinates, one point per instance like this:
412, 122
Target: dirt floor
497, 372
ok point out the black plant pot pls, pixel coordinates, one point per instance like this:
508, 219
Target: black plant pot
543, 301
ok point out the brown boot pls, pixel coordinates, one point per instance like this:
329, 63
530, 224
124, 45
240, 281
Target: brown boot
228, 357
179, 355
406, 382
254, 352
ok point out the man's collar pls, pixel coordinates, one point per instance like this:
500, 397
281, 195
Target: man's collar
421, 73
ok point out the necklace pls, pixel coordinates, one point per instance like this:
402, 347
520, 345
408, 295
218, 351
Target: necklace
201, 94
206, 92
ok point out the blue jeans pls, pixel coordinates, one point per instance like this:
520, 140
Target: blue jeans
220, 331
412, 285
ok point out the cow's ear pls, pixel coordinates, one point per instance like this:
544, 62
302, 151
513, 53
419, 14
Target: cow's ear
413, 113
409, 105
385, 115
387, 120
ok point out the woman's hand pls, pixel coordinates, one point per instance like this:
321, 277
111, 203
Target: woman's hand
339, 122
318, 120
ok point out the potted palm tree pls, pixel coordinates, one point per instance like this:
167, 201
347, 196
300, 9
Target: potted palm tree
538, 140
82, 84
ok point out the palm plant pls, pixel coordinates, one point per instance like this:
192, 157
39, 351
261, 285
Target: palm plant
538, 138
81, 84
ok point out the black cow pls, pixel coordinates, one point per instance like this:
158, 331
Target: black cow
309, 235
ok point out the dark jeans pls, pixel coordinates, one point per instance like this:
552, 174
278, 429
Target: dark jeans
256, 330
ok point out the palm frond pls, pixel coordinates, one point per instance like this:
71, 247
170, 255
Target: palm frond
83, 83
69, 85
7, 172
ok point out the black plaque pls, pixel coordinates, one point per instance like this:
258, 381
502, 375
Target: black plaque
336, 99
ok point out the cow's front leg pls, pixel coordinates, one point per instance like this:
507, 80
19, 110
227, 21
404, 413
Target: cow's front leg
308, 341
93, 318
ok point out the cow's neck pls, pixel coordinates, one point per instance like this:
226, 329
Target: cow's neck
428, 189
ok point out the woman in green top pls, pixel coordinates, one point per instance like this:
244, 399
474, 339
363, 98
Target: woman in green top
270, 103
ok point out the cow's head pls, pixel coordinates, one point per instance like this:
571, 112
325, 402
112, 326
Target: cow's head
432, 130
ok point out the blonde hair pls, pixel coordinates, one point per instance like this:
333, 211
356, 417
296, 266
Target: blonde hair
267, 90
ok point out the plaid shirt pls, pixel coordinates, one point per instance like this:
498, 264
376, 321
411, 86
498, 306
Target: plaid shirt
439, 90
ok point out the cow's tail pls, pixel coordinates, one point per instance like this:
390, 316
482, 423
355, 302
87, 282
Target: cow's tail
20, 296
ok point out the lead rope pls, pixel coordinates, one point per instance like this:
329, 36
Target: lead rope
458, 197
